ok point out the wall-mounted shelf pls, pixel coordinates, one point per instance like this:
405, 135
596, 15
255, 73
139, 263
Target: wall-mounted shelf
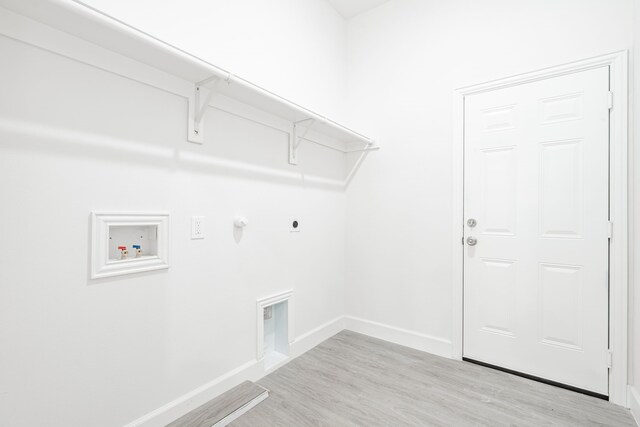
91, 25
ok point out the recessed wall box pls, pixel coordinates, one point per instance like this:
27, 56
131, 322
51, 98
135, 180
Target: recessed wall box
275, 329
114, 233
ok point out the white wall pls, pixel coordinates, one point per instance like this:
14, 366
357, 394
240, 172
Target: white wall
293, 48
634, 346
634, 304
405, 59
74, 138
77, 139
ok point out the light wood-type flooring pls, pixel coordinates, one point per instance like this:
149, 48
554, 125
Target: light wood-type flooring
219, 409
355, 380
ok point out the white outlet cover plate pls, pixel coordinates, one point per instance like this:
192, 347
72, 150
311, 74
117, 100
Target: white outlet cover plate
197, 227
296, 229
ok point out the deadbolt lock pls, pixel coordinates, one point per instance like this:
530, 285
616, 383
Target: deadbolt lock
471, 222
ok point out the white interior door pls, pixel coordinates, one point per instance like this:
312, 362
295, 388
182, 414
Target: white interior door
536, 182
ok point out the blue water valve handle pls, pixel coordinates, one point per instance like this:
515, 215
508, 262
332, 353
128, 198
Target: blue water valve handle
138, 250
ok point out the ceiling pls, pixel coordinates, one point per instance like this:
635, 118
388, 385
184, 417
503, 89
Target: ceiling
351, 8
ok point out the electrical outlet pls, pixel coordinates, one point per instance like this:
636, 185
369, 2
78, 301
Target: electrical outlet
294, 225
197, 231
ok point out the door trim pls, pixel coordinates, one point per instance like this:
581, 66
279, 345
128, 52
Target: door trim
618, 205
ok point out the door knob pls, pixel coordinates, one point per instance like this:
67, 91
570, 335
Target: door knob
471, 222
472, 241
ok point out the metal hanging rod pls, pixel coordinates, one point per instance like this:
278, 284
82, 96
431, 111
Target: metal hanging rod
331, 147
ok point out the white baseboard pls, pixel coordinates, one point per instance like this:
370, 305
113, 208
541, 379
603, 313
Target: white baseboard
416, 340
308, 340
251, 371
633, 402
201, 395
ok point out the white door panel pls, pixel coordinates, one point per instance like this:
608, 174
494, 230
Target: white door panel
536, 181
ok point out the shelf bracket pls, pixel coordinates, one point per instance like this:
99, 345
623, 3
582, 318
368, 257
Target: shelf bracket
368, 147
295, 139
198, 107
364, 151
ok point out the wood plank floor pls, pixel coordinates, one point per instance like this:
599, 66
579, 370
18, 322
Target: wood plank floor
222, 406
355, 380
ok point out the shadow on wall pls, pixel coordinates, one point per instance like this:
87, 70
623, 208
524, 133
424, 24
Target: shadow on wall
231, 150
128, 121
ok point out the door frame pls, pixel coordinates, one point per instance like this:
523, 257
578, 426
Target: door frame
618, 205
